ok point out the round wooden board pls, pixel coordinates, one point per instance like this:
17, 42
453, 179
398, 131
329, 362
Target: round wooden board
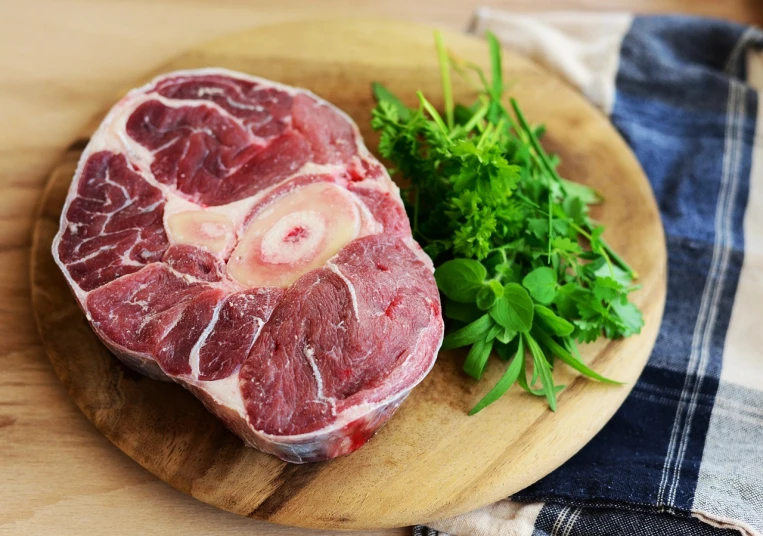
432, 460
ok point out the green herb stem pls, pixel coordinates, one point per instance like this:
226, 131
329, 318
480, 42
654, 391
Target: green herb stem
447, 87
534, 141
432, 112
612, 254
478, 116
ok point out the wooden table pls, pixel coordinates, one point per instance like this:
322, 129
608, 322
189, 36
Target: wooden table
61, 62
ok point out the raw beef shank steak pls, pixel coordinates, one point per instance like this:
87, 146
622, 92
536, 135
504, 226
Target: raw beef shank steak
235, 235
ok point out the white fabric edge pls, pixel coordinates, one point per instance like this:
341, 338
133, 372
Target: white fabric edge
582, 48
720, 522
505, 518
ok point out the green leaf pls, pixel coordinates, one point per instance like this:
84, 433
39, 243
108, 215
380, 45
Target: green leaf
477, 357
630, 317
591, 309
587, 195
468, 334
514, 310
460, 279
561, 227
544, 370
572, 348
565, 245
494, 332
538, 227
559, 326
586, 330
567, 298
596, 234
522, 381
607, 289
536, 372
463, 312
506, 336
541, 283
489, 294
506, 381
614, 272
382, 94
575, 210
568, 359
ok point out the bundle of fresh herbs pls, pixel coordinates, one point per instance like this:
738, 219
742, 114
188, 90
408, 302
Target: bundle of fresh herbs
522, 267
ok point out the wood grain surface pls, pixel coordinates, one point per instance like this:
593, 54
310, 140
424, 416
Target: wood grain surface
62, 61
455, 462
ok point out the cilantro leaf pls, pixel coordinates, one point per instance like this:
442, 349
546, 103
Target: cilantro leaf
383, 95
585, 194
613, 272
607, 289
630, 317
565, 245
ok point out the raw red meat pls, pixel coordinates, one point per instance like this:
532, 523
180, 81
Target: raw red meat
235, 235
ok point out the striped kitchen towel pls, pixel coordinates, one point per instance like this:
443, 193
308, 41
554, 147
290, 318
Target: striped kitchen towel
684, 455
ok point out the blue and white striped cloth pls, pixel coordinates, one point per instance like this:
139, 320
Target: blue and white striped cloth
684, 455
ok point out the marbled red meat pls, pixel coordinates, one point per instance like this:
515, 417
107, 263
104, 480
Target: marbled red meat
235, 235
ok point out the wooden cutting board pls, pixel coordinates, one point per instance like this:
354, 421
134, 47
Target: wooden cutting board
432, 460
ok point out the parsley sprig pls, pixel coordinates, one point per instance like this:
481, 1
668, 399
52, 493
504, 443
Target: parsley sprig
523, 269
